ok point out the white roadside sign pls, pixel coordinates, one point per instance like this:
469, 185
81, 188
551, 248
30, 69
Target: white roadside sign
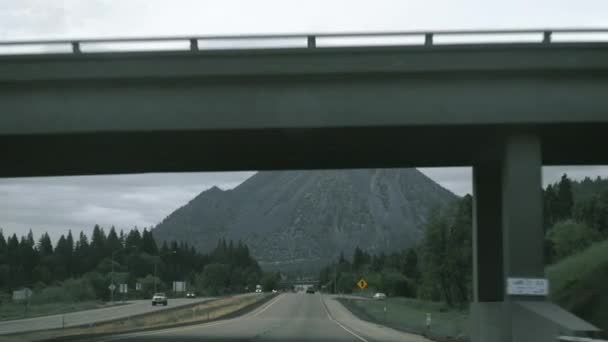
527, 286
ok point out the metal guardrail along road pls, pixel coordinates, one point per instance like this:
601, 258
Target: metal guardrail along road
578, 339
427, 38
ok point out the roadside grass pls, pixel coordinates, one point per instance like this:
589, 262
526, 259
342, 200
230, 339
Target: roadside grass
193, 314
579, 284
9, 311
409, 315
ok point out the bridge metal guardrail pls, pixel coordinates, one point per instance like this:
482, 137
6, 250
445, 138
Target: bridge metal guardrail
427, 39
578, 339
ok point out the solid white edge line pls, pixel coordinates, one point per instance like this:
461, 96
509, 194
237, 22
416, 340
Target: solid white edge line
339, 324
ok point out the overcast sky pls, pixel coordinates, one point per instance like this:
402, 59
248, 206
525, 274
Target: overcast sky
60, 203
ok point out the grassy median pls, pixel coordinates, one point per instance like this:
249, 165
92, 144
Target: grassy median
10, 311
409, 315
184, 315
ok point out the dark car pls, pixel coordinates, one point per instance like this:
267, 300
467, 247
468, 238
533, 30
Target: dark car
310, 290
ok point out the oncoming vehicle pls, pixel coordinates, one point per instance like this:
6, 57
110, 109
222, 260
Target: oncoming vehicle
310, 290
258, 289
379, 295
159, 298
190, 295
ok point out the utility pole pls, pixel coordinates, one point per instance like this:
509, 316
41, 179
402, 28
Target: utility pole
112, 277
336, 279
156, 263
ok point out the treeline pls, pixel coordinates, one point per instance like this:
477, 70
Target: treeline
396, 274
86, 267
575, 216
440, 267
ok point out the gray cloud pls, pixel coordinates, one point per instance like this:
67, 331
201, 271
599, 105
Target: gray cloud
56, 204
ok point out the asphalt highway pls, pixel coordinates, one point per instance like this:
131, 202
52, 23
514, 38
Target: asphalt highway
77, 318
288, 317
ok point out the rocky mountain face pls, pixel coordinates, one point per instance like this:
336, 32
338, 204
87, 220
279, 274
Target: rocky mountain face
292, 219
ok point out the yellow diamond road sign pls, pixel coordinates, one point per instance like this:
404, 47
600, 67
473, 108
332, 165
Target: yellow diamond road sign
362, 284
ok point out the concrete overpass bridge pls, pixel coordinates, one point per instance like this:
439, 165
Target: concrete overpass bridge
504, 109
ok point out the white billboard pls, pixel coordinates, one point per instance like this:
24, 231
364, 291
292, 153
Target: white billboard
179, 286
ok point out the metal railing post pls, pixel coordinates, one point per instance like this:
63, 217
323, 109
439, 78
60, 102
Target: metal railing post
193, 44
428, 39
547, 37
76, 47
312, 42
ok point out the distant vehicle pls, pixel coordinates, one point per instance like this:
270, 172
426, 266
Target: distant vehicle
379, 295
190, 295
310, 290
258, 289
159, 298
274, 291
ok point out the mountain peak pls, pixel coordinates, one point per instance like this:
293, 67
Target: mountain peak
291, 218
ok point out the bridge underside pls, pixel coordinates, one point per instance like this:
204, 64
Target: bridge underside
272, 149
505, 110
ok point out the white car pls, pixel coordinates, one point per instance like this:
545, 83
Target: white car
379, 295
159, 298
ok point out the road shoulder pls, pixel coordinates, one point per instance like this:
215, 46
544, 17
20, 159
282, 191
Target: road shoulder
367, 331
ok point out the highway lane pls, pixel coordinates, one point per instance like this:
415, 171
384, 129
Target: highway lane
288, 317
135, 307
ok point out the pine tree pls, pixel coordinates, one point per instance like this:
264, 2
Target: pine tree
45, 247
3, 247
98, 245
113, 242
82, 257
148, 243
550, 207
566, 200
134, 239
358, 259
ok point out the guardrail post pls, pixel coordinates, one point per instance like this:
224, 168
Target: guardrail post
547, 37
76, 47
428, 39
312, 42
193, 44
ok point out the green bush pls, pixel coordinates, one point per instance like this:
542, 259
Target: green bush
578, 284
79, 289
71, 290
147, 286
51, 294
569, 237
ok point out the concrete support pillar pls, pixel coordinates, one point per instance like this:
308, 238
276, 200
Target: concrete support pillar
507, 233
523, 236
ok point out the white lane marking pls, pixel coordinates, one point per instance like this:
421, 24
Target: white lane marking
266, 308
184, 328
340, 325
163, 331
